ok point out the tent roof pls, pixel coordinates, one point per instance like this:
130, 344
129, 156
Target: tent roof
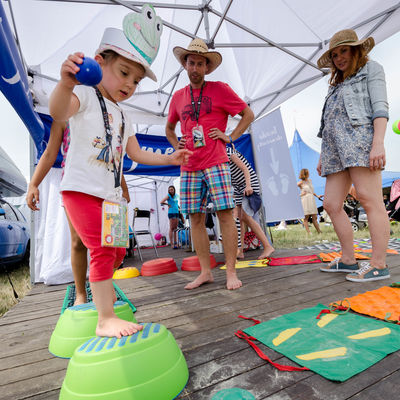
269, 49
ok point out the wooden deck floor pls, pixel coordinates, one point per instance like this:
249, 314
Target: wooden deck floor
203, 322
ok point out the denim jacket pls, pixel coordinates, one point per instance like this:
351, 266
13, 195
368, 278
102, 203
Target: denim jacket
364, 96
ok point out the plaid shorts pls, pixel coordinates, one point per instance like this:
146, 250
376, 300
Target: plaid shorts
214, 182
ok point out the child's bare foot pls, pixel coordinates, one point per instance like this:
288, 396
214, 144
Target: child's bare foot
200, 280
117, 327
266, 253
240, 254
232, 281
80, 298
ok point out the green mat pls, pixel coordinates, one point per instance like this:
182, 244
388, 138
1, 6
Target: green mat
343, 354
69, 298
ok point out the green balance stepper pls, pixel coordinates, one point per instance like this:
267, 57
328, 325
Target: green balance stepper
233, 394
77, 324
148, 365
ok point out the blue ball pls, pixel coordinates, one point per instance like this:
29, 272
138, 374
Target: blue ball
90, 73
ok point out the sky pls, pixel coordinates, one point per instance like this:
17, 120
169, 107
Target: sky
301, 112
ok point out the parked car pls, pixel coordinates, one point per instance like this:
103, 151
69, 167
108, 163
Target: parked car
14, 234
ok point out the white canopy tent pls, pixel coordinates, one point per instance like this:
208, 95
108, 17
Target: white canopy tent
269, 51
269, 48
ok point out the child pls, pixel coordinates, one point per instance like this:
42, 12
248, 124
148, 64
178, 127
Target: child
307, 200
245, 182
59, 134
100, 135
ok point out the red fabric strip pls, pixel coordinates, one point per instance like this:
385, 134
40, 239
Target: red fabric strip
241, 335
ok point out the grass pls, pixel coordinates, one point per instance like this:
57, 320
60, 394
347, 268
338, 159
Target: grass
295, 236
13, 276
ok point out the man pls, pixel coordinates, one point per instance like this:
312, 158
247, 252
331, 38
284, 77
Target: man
202, 109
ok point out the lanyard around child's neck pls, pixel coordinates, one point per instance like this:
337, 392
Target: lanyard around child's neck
117, 172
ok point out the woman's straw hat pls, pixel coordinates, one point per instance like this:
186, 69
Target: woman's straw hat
198, 47
346, 37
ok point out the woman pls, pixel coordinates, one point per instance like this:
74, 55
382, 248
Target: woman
353, 125
171, 200
307, 200
245, 182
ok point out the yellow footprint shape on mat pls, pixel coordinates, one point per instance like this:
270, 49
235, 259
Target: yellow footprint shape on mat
249, 263
325, 319
336, 352
285, 335
369, 334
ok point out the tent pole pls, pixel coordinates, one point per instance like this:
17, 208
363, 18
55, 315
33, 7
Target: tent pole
220, 21
32, 255
286, 84
206, 22
157, 206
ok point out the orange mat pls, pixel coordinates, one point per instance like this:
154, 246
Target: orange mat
388, 251
328, 257
382, 303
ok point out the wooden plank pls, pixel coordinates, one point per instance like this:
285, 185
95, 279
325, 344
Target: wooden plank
50, 395
386, 388
380, 381
32, 370
33, 386
16, 360
203, 321
25, 342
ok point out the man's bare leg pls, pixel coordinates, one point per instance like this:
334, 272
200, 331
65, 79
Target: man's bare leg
202, 248
229, 240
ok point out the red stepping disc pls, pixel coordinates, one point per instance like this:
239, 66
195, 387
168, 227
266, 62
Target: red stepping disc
158, 266
193, 264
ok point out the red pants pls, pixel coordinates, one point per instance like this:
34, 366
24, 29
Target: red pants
84, 212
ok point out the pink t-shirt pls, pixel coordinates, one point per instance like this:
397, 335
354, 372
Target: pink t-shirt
218, 102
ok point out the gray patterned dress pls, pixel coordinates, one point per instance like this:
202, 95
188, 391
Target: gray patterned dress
343, 145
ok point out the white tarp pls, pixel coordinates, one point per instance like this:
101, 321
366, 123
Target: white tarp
52, 237
269, 48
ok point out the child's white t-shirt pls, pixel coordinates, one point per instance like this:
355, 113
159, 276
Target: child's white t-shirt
90, 163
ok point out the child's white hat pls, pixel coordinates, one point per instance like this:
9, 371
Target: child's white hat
139, 40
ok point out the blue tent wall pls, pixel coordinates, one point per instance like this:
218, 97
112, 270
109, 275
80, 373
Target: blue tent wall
153, 143
14, 82
304, 156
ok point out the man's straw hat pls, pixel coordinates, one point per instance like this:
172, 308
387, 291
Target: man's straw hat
198, 47
346, 37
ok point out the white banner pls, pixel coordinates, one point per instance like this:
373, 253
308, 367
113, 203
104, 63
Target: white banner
280, 194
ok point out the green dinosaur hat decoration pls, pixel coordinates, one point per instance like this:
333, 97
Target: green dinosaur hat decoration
139, 40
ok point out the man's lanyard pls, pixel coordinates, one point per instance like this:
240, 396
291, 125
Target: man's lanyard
197, 110
117, 172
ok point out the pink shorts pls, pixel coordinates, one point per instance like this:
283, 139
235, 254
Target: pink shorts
84, 212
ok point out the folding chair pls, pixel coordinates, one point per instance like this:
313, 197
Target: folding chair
138, 217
